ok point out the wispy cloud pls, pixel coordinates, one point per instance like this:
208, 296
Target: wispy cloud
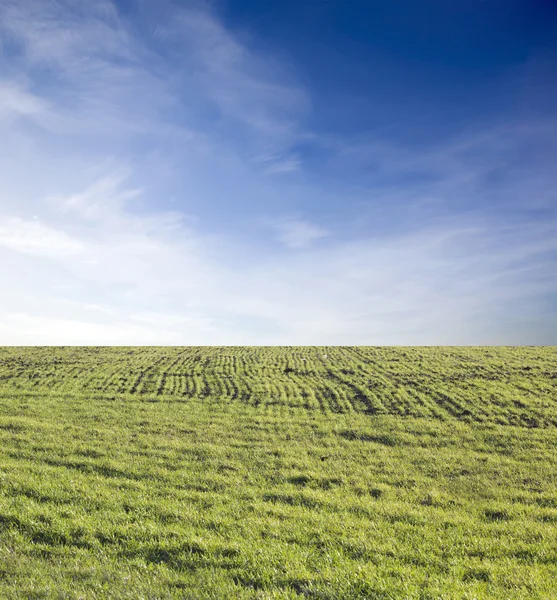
102, 201
440, 285
16, 101
162, 182
279, 163
97, 64
26, 329
32, 237
251, 89
297, 233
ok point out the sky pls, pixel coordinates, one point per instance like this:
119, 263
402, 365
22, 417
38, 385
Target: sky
227, 172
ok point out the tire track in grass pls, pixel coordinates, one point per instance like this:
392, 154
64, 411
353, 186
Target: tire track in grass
168, 376
454, 407
444, 383
331, 398
356, 372
303, 392
384, 374
138, 384
360, 398
399, 397
532, 410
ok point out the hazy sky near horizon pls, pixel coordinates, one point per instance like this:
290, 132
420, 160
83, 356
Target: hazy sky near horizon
281, 172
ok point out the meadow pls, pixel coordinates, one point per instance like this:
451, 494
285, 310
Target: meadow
284, 472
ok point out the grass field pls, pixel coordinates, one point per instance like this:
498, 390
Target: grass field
324, 473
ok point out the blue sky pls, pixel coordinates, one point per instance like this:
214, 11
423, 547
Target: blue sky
289, 172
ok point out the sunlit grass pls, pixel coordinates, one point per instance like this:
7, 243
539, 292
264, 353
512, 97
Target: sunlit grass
278, 473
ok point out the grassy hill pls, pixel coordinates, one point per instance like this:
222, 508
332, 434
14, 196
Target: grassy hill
288, 472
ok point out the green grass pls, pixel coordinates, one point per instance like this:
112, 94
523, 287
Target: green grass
322, 473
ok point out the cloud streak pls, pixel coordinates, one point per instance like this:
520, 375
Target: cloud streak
297, 233
32, 237
442, 285
175, 201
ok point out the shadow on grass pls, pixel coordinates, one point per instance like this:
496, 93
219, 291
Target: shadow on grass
293, 500
384, 439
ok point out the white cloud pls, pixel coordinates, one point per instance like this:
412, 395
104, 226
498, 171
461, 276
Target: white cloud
248, 87
279, 163
101, 201
298, 234
121, 123
16, 101
98, 66
25, 329
32, 237
448, 284
57, 33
